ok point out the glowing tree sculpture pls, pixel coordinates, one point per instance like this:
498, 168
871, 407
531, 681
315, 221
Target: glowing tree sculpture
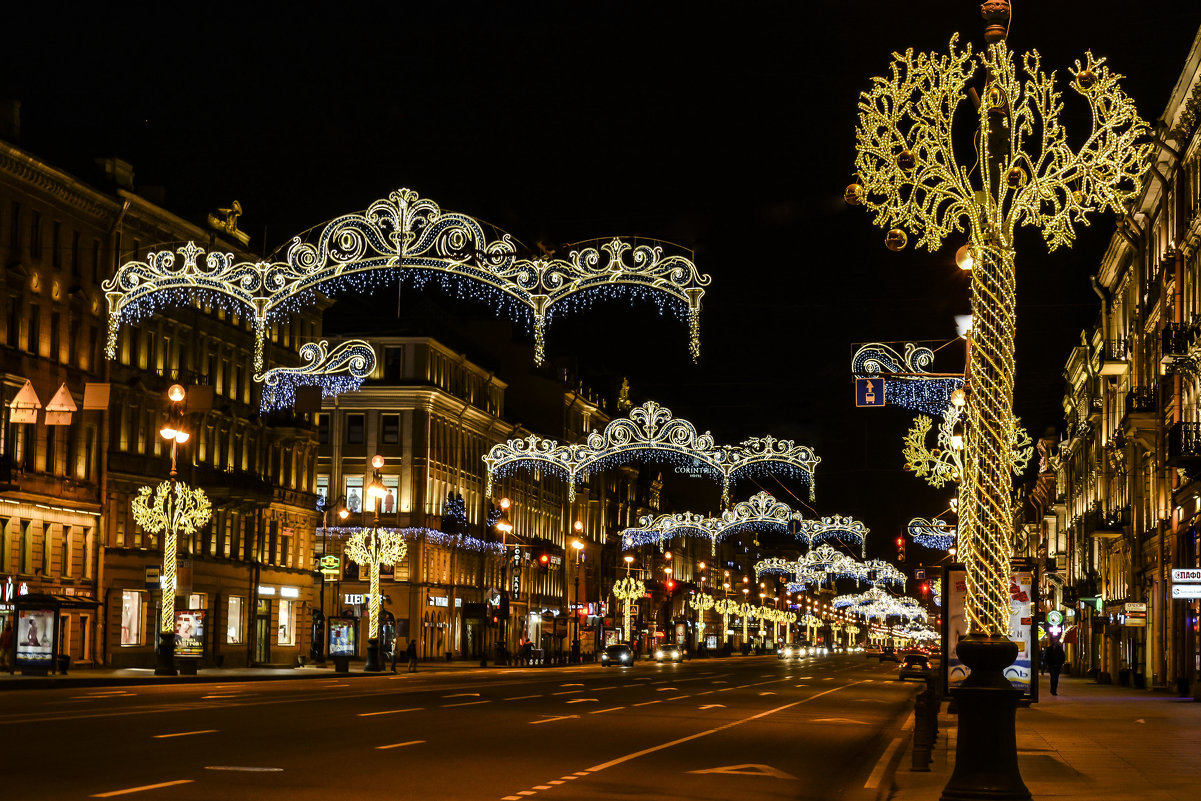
372, 547
701, 602
185, 513
411, 238
726, 607
629, 589
944, 463
915, 183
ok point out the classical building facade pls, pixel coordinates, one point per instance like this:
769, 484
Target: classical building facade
1129, 472
67, 479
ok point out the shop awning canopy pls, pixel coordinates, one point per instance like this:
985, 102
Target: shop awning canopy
45, 600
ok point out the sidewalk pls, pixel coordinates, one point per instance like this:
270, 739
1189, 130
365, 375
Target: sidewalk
1092, 741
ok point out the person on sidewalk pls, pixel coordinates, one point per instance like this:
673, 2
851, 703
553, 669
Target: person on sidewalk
412, 651
393, 648
6, 645
1055, 659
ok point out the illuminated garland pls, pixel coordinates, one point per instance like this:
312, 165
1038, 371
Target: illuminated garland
726, 607
909, 177
936, 590
929, 394
761, 512
876, 358
415, 533
336, 371
186, 513
936, 534
876, 604
411, 238
846, 530
650, 431
374, 547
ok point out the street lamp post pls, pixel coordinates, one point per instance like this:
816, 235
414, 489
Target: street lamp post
578, 546
374, 548
911, 178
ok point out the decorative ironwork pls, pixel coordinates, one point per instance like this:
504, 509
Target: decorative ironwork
651, 430
342, 369
410, 237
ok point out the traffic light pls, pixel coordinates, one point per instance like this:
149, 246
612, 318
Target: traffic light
901, 548
671, 585
544, 559
925, 588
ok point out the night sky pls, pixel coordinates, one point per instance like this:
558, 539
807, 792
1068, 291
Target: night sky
725, 127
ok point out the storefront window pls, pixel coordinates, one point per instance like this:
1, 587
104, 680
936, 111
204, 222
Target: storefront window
354, 493
233, 619
287, 629
131, 617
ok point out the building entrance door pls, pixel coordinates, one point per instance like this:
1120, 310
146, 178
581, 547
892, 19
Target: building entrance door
262, 632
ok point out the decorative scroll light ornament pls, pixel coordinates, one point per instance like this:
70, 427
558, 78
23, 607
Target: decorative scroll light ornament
372, 547
876, 604
944, 464
342, 369
650, 431
1028, 175
411, 238
629, 589
846, 530
760, 513
935, 534
906, 385
186, 513
878, 572
936, 591
657, 529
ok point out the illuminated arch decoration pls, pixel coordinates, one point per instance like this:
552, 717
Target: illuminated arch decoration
846, 530
410, 237
878, 572
905, 385
878, 604
650, 430
936, 534
761, 512
336, 371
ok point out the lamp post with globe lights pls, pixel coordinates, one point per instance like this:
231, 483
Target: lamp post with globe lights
577, 607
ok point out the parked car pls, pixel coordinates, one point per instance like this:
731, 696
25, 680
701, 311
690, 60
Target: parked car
617, 655
671, 653
914, 666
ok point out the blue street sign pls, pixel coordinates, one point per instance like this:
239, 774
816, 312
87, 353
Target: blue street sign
869, 391
919, 574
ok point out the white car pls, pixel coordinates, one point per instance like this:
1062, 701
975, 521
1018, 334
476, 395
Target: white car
672, 653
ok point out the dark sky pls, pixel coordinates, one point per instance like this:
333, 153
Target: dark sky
726, 127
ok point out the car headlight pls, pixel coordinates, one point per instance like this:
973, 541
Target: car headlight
675, 654
625, 658
658, 654
787, 652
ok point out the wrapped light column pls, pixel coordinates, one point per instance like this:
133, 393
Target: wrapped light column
1021, 171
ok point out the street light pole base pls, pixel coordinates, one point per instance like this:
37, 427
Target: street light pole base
372, 665
986, 760
164, 655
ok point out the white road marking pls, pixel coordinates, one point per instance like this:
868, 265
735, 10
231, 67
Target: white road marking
766, 692
665, 689
462, 695
749, 769
713, 706
184, 734
207, 697
552, 720
568, 692
398, 745
677, 697
601, 689
839, 720
523, 697
129, 790
581, 700
873, 781
244, 768
467, 703
698, 735
573, 684
610, 709
648, 703
390, 711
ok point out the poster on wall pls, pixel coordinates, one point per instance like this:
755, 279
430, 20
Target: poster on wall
189, 633
35, 637
342, 636
1020, 624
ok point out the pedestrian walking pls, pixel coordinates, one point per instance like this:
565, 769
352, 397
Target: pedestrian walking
412, 651
394, 647
1055, 659
6, 646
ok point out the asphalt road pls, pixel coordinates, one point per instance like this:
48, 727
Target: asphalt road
814, 728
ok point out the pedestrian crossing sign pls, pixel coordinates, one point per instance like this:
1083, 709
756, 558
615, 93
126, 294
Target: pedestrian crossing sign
869, 391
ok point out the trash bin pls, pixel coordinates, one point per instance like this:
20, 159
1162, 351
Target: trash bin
341, 664
64, 662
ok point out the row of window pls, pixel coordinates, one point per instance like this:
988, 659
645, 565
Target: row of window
135, 619
33, 547
27, 227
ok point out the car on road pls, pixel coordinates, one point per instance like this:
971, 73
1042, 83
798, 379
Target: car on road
790, 652
670, 653
914, 666
617, 655
888, 653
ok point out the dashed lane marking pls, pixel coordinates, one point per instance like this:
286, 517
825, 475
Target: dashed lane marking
552, 720
582, 700
677, 698
184, 734
648, 703
610, 709
390, 711
244, 768
462, 695
398, 745
568, 692
128, 790
664, 689
573, 684
467, 703
713, 706
523, 697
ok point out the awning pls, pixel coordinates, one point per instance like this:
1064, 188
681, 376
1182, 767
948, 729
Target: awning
44, 600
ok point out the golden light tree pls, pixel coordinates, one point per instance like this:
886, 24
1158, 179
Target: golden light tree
372, 547
701, 602
629, 589
183, 512
726, 607
1022, 171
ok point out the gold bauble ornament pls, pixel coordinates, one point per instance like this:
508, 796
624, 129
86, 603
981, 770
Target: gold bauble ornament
1078, 197
994, 97
906, 160
854, 195
896, 239
1086, 80
1016, 178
